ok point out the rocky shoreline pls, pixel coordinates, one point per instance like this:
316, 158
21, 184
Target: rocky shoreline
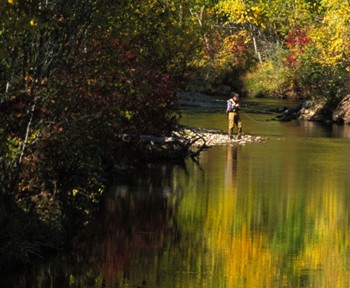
211, 137
321, 111
185, 142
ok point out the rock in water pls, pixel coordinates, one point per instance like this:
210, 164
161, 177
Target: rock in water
342, 113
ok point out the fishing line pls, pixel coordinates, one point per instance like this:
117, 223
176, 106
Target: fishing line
259, 121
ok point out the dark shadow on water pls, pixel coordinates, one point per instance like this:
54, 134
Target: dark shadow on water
137, 220
138, 217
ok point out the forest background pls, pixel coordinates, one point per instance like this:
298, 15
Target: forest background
76, 75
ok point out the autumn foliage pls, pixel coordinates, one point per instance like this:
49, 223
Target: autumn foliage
296, 41
72, 89
77, 76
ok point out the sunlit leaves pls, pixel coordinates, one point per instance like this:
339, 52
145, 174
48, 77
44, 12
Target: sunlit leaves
171, 30
242, 12
33, 22
331, 36
311, 32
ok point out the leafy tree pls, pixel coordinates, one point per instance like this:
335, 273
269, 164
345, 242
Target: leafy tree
77, 76
330, 35
312, 35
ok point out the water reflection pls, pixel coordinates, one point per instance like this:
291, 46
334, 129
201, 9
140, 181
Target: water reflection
316, 129
292, 234
137, 222
231, 168
129, 227
341, 131
272, 214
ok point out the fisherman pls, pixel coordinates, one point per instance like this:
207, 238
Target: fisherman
232, 111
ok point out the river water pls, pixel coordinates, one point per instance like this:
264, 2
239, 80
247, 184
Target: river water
271, 214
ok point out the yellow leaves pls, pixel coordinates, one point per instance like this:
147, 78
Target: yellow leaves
256, 16
12, 147
33, 22
331, 37
233, 9
239, 13
75, 192
242, 37
101, 190
128, 115
11, 2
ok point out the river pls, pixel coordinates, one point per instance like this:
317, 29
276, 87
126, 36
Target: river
271, 214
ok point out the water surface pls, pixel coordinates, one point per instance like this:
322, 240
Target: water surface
272, 214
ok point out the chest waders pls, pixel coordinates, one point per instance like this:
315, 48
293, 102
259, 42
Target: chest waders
234, 120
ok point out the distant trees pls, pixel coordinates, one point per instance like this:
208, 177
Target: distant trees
300, 45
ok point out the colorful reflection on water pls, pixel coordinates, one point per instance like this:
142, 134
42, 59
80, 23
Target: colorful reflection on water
273, 214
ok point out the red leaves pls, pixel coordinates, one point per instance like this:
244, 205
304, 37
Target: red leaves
296, 41
115, 78
128, 55
292, 59
297, 38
